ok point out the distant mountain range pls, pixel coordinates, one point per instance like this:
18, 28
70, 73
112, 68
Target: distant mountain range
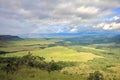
51, 35
75, 38
9, 37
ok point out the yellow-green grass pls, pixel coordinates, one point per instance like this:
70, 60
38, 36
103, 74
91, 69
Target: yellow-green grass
91, 48
110, 48
37, 74
116, 68
86, 48
16, 54
25, 45
115, 74
82, 69
59, 53
36, 41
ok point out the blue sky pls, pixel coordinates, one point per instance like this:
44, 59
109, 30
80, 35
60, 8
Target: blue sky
58, 16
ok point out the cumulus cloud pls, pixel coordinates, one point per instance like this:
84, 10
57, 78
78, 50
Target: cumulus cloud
73, 30
113, 24
41, 14
109, 26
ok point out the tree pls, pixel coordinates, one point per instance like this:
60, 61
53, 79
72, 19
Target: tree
52, 66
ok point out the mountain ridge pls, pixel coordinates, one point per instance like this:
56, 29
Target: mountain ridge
9, 37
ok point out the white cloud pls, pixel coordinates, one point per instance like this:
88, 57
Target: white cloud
112, 24
74, 29
49, 12
87, 10
24, 12
116, 18
109, 26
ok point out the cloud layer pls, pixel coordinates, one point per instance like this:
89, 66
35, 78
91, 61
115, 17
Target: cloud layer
55, 16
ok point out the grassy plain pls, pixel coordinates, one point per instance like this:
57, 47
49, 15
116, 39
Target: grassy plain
89, 58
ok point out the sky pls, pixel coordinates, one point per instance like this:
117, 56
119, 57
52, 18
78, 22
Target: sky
58, 16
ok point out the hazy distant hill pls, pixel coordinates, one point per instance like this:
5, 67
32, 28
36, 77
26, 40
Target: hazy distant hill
9, 37
63, 35
116, 38
94, 39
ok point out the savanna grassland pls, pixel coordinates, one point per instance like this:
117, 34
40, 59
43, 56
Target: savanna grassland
73, 59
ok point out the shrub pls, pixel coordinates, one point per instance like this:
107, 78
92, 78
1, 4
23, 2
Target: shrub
52, 66
96, 76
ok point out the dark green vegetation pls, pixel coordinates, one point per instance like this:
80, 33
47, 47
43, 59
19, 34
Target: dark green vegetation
96, 76
89, 57
9, 37
13, 64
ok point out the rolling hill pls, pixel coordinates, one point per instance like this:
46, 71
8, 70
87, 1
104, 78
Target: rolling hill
9, 37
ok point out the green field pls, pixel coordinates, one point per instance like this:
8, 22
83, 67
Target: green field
86, 59
58, 53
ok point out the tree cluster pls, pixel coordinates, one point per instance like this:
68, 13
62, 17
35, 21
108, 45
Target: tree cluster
14, 64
